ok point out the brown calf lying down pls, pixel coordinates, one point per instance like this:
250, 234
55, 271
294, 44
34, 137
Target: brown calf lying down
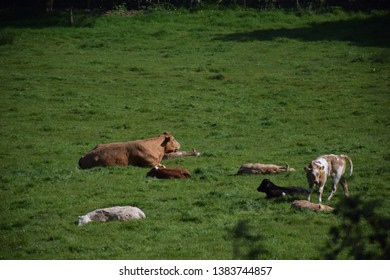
328, 166
260, 168
143, 153
116, 213
161, 172
299, 204
193, 153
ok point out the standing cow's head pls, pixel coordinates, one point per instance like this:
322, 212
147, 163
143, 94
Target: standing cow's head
315, 173
170, 144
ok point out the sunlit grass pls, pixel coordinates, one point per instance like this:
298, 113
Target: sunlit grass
238, 85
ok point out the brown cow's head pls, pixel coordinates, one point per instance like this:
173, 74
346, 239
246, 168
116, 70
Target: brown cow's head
170, 144
315, 173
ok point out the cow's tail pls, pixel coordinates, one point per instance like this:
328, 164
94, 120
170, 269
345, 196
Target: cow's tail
350, 163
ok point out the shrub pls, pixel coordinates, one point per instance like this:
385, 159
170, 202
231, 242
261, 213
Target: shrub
362, 235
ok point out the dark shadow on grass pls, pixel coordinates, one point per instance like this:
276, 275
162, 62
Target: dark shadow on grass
31, 18
370, 32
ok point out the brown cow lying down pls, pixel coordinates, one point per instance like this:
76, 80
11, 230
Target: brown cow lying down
272, 190
259, 168
117, 213
193, 153
161, 172
143, 153
299, 204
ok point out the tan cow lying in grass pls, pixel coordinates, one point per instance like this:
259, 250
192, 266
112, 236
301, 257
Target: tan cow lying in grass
143, 153
304, 204
328, 166
116, 213
260, 168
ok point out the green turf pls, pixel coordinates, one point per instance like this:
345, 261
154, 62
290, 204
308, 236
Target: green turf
240, 86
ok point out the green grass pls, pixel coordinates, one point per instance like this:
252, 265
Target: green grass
238, 85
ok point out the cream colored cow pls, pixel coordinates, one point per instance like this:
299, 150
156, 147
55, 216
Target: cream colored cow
116, 213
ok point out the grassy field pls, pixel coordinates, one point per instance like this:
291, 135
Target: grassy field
240, 86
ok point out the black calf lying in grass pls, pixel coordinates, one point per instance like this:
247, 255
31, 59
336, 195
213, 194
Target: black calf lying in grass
272, 190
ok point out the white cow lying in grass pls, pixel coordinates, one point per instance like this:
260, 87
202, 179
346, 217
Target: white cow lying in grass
117, 213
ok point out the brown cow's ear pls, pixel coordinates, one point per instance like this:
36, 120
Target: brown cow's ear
167, 139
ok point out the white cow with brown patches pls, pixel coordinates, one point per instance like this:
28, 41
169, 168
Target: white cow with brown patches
328, 166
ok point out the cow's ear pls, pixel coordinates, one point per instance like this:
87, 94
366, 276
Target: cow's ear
322, 170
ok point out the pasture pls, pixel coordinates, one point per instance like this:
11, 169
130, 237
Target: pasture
238, 85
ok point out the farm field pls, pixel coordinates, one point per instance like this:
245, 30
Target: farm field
238, 85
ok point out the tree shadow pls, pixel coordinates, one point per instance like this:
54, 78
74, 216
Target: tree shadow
31, 18
370, 32
246, 241
363, 233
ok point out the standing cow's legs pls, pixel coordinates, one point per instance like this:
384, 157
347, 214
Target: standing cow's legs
320, 191
334, 189
335, 182
344, 184
310, 190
